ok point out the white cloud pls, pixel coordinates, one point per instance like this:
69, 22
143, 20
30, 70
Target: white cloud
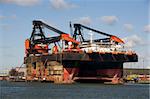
61, 4
4, 27
13, 16
147, 28
132, 41
110, 20
21, 2
8, 17
128, 27
85, 20
2, 17
148, 67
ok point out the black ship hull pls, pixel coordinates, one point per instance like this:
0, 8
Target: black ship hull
86, 66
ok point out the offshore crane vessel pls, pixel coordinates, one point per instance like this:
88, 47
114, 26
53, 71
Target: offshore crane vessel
65, 59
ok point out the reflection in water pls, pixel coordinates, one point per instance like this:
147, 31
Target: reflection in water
37, 90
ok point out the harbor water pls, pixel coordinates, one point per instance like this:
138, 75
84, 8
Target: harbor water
38, 90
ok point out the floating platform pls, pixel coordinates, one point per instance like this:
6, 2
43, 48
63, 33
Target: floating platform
75, 66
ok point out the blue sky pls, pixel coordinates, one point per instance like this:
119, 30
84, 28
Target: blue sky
128, 19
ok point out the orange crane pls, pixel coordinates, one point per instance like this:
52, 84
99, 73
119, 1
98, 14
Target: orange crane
79, 27
38, 42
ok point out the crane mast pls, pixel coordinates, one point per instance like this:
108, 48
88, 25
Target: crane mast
38, 43
109, 44
77, 32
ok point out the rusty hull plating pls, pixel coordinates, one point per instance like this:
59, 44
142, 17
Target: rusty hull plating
82, 67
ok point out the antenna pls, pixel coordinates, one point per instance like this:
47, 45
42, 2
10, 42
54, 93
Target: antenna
71, 30
91, 38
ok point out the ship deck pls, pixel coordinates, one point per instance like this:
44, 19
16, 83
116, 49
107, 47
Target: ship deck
76, 56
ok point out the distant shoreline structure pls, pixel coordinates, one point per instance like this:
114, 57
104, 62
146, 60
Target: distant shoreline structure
130, 75
131, 70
